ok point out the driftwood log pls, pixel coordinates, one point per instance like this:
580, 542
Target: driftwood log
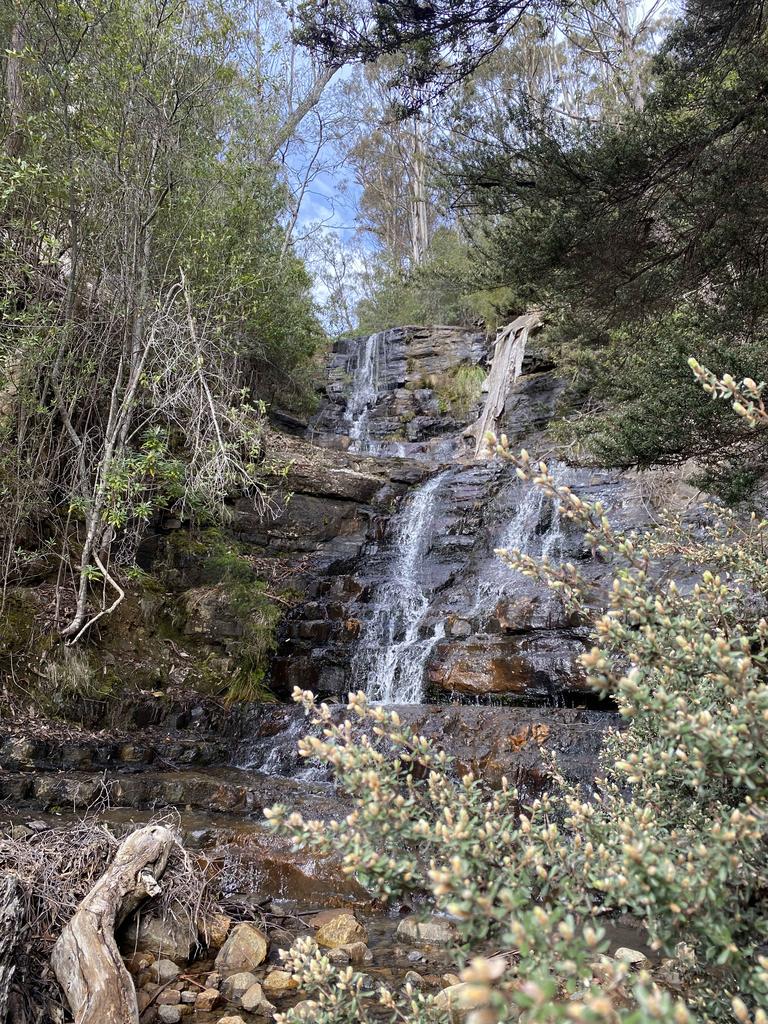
11, 927
85, 958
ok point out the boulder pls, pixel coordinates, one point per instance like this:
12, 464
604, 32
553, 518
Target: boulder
279, 984
341, 931
254, 1001
235, 986
432, 931
245, 948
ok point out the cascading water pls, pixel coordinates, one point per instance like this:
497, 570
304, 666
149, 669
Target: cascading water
365, 390
391, 658
525, 533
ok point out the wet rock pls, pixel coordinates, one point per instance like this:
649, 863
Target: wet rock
338, 956
341, 931
432, 931
208, 1000
279, 984
235, 986
164, 971
358, 953
254, 1001
245, 948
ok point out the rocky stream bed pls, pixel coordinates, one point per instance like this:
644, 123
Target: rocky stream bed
385, 524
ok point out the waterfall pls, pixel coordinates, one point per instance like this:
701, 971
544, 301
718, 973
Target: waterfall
364, 391
391, 658
524, 533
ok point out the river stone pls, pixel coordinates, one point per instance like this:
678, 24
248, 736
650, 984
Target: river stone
215, 929
237, 1019
341, 931
633, 957
434, 931
168, 997
459, 1000
235, 986
358, 953
172, 935
245, 948
208, 999
254, 1001
279, 984
164, 971
169, 1014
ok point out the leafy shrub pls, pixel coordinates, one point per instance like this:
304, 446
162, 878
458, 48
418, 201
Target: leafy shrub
459, 391
675, 832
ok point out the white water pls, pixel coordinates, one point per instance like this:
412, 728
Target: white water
523, 532
364, 391
391, 657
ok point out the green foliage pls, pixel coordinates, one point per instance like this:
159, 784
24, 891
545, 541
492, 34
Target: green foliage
641, 237
458, 391
445, 289
248, 599
675, 832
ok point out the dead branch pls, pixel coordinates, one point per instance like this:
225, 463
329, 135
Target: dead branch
85, 958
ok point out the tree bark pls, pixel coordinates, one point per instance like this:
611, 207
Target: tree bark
11, 924
85, 958
14, 92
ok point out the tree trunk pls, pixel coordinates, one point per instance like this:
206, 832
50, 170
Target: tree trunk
14, 92
11, 923
85, 958
506, 365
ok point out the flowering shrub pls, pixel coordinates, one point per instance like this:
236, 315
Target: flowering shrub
676, 831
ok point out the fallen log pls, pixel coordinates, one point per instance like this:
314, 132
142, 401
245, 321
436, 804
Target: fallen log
85, 957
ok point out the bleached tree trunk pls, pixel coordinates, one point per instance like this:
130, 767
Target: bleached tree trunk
506, 365
419, 200
85, 958
14, 92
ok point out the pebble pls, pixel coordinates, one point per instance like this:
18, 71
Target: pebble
414, 956
169, 997
254, 1001
412, 978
